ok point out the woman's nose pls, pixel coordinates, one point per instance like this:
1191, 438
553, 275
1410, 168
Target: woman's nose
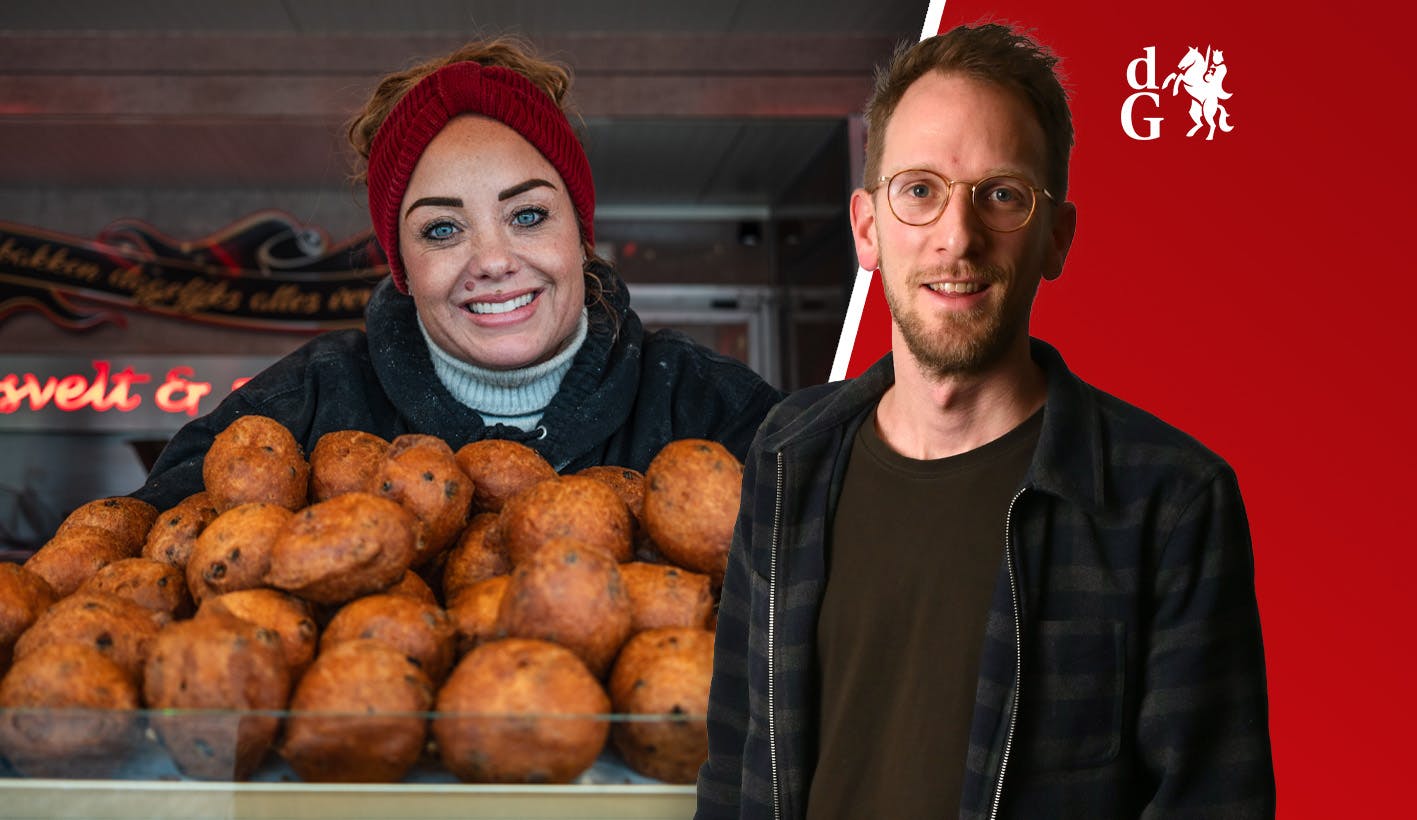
492, 258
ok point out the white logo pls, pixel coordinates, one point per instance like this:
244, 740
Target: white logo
1202, 76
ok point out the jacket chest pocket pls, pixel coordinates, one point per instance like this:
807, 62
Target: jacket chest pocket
1071, 696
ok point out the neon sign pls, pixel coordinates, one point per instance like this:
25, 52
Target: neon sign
137, 393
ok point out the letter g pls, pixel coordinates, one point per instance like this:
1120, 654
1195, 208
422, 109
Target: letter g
1128, 122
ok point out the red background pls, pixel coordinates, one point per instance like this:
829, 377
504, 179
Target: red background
1256, 290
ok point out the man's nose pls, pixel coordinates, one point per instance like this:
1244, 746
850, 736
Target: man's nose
958, 231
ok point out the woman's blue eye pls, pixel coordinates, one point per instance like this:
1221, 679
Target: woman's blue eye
441, 230
528, 217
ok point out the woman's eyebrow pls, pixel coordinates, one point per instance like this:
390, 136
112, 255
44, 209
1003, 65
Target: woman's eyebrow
441, 201
454, 202
523, 187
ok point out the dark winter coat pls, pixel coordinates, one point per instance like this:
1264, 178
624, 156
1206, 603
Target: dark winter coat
626, 395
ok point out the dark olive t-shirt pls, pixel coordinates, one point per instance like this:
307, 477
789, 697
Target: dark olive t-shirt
915, 552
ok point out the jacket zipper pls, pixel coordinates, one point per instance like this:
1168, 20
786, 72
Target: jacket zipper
772, 619
1018, 655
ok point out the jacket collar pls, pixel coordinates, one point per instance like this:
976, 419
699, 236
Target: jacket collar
599, 391
1069, 461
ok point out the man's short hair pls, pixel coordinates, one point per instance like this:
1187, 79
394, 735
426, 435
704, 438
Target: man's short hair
990, 52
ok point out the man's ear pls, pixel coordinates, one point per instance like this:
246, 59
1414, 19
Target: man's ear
1060, 239
863, 229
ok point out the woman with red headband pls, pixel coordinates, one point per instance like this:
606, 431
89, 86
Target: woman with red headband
497, 319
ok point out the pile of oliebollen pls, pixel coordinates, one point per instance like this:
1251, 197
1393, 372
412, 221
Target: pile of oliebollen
377, 605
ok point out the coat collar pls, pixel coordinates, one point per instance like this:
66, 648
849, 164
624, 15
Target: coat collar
599, 391
1069, 461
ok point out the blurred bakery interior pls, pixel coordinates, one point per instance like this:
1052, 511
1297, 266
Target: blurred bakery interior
724, 139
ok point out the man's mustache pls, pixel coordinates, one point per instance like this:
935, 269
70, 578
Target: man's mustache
988, 274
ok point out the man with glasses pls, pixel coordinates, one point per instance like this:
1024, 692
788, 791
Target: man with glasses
967, 583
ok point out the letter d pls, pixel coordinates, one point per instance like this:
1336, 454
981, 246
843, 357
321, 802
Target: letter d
1150, 62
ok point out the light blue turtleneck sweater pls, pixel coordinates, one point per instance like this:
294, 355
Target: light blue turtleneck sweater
516, 398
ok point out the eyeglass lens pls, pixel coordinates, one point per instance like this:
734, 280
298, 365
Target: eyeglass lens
1003, 203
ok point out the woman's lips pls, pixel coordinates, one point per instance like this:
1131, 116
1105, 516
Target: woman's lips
505, 306
503, 310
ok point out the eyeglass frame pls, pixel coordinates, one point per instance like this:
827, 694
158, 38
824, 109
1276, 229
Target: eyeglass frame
949, 192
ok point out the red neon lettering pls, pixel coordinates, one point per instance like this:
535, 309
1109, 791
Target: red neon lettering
240, 383
15, 393
118, 397
73, 392
68, 396
177, 383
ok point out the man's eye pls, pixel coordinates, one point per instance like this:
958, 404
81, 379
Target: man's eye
528, 217
440, 231
1005, 193
919, 190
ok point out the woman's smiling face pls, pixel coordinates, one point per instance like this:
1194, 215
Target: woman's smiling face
489, 238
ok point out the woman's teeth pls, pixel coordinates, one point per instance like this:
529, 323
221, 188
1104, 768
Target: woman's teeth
956, 287
501, 307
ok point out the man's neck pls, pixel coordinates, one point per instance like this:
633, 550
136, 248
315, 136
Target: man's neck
925, 416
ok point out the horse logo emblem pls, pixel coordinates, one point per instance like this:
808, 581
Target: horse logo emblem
1203, 76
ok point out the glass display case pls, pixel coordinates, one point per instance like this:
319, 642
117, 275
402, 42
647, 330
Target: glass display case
113, 764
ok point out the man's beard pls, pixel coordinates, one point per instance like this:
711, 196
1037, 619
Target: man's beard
971, 341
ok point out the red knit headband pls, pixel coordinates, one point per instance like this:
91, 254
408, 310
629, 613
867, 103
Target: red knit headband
469, 88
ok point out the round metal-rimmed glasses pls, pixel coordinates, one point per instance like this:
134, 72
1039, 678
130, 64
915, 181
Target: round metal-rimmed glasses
1004, 202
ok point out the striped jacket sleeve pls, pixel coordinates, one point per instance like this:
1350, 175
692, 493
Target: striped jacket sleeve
1203, 732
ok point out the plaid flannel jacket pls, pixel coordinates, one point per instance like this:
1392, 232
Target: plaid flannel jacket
1122, 672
